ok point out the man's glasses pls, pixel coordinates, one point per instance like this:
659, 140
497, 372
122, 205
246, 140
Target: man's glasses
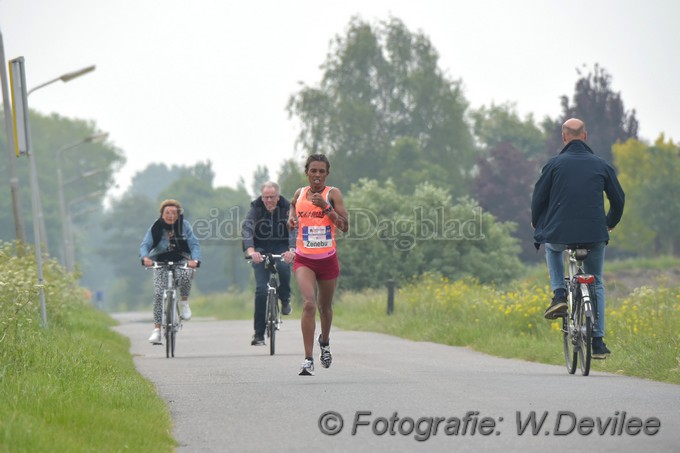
272, 197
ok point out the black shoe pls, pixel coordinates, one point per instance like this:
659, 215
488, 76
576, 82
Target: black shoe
258, 340
600, 350
285, 307
557, 308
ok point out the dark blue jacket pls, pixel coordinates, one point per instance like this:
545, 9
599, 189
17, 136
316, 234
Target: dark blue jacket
567, 206
266, 231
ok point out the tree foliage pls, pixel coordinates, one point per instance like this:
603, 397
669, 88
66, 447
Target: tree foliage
260, 176
398, 236
500, 124
384, 108
154, 179
87, 170
602, 110
125, 224
503, 187
649, 176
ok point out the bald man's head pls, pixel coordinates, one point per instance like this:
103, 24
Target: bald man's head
573, 129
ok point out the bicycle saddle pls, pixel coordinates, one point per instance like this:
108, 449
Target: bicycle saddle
580, 250
580, 254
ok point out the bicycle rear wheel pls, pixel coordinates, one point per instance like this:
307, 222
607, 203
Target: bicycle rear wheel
170, 304
585, 339
272, 305
570, 354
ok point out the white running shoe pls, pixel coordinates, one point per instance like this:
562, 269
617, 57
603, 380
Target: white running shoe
185, 311
155, 337
307, 368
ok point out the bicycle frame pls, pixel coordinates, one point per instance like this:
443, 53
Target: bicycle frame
171, 321
272, 313
578, 324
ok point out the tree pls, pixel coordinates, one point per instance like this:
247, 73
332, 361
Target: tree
383, 97
154, 179
260, 176
648, 174
602, 110
125, 224
503, 187
291, 177
400, 236
87, 170
499, 124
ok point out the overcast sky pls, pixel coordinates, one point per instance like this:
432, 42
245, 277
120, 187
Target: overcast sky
181, 81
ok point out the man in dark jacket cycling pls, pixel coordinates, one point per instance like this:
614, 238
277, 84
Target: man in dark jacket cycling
567, 208
265, 230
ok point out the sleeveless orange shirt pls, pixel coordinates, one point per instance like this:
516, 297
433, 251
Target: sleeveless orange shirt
316, 231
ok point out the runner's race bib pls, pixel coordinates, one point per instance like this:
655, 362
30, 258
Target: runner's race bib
316, 237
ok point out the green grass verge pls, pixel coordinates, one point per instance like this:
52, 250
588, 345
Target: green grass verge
72, 386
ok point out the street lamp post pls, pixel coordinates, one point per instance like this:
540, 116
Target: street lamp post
18, 65
67, 77
67, 247
70, 252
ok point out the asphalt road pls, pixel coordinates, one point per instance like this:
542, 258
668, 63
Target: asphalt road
392, 395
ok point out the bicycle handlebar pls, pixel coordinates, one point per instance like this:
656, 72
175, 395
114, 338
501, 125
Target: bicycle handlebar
268, 260
272, 255
165, 264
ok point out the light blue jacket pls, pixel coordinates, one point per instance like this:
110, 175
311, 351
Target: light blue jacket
156, 242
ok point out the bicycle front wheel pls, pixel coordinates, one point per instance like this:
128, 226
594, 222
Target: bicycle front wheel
568, 338
585, 339
170, 303
272, 306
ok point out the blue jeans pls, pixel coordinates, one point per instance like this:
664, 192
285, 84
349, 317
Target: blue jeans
261, 280
594, 264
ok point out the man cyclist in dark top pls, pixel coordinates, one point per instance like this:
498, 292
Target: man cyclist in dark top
567, 208
264, 231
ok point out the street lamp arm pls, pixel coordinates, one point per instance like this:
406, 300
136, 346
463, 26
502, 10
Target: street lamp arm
94, 138
72, 75
83, 176
64, 78
89, 196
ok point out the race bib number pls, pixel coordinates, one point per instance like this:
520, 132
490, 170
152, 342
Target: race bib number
316, 237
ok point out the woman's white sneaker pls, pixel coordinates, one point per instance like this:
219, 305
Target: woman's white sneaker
155, 337
185, 311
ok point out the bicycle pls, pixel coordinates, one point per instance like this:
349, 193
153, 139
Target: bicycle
579, 321
171, 321
272, 313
